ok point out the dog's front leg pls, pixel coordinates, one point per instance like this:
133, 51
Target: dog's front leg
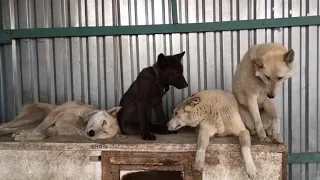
160, 114
255, 114
202, 145
270, 108
144, 121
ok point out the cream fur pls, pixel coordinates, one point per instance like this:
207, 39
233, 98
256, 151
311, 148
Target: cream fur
259, 75
215, 112
41, 120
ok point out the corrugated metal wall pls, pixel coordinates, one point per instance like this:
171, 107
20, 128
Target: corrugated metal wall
100, 69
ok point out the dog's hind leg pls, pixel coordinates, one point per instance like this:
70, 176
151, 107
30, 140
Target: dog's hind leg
128, 122
32, 114
33, 135
237, 128
4, 131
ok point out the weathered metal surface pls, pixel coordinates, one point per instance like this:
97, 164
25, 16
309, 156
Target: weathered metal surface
100, 69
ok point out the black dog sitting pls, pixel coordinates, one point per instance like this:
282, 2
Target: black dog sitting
146, 92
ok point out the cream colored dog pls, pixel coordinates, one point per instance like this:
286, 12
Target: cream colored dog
215, 112
41, 120
257, 78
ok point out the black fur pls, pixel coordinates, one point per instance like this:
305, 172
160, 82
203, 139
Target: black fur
146, 93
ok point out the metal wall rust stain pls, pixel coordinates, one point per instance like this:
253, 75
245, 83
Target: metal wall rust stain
115, 161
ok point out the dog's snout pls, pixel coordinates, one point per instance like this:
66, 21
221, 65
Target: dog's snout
270, 96
185, 84
91, 133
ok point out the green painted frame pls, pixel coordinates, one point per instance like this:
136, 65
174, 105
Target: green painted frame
6, 36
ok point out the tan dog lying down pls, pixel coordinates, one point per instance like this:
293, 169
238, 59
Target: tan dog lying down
41, 120
215, 112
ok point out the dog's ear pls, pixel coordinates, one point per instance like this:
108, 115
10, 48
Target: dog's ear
191, 103
180, 55
162, 60
257, 62
114, 111
289, 56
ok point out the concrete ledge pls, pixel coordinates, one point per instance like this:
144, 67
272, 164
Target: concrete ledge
70, 157
175, 142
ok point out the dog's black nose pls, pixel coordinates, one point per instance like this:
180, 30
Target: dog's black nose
185, 84
91, 133
270, 96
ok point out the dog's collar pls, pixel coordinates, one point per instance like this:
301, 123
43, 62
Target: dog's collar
164, 88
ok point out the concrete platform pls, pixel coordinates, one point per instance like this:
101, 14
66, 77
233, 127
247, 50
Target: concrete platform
70, 157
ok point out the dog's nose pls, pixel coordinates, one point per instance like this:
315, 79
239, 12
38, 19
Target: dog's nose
91, 133
185, 84
270, 96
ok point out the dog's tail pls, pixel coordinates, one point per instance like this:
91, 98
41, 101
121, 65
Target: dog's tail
245, 143
31, 114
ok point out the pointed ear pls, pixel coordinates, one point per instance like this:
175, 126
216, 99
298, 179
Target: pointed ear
289, 56
257, 62
114, 111
191, 103
162, 60
180, 55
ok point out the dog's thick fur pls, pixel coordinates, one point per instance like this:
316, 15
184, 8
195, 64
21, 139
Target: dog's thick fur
146, 92
215, 112
257, 78
70, 118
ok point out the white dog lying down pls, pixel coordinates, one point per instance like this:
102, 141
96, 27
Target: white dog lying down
215, 112
41, 120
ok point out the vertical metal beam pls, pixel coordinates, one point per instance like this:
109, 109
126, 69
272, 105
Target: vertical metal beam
174, 11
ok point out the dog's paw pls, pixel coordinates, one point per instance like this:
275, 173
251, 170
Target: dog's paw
252, 172
149, 137
121, 136
277, 137
198, 166
20, 135
265, 139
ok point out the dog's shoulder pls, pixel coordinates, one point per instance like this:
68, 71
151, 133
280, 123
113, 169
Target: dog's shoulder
146, 73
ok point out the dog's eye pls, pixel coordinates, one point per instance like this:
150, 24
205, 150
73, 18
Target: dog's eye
279, 78
104, 122
175, 74
268, 77
175, 113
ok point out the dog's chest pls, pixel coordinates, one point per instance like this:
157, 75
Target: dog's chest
157, 94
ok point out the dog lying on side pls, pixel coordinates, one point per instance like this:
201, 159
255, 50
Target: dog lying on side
146, 92
70, 118
257, 78
215, 112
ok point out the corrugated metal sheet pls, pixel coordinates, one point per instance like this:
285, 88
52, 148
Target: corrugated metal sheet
100, 69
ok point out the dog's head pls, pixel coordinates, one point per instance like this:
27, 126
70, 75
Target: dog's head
103, 124
185, 114
171, 70
274, 68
